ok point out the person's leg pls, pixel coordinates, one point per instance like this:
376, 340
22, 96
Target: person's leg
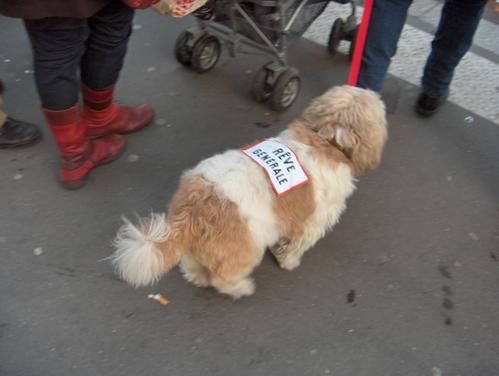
57, 49
105, 49
385, 26
458, 23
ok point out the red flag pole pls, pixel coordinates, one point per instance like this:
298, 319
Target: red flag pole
359, 43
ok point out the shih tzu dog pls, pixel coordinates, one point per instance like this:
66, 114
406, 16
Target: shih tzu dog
281, 194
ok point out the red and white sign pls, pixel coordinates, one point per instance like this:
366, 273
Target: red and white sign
280, 163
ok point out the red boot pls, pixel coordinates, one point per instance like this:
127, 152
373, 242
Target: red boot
79, 154
104, 117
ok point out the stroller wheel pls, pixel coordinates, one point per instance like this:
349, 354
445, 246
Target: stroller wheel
335, 36
205, 53
286, 89
183, 51
262, 87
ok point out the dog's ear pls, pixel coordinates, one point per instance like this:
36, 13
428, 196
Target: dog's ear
344, 137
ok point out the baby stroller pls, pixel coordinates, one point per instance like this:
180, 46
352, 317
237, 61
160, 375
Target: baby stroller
264, 26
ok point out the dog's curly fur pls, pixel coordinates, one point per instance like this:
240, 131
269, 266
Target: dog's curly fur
224, 214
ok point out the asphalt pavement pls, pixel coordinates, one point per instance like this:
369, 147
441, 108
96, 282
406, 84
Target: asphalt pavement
405, 285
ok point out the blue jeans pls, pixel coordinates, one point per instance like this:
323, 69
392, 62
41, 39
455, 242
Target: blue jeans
458, 23
94, 47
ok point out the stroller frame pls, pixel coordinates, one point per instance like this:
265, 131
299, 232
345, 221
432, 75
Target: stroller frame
236, 41
199, 47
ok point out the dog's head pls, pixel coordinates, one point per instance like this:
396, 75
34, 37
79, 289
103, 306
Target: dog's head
353, 120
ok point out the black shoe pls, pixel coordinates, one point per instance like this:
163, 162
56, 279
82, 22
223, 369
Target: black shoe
16, 133
427, 105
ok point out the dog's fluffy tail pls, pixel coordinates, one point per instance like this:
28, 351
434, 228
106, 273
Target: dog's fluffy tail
145, 252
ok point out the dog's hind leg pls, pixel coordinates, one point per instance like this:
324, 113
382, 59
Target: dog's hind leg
236, 287
194, 272
231, 276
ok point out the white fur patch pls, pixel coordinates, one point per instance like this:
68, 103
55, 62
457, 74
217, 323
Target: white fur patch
243, 182
137, 258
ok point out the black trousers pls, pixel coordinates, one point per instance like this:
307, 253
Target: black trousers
67, 50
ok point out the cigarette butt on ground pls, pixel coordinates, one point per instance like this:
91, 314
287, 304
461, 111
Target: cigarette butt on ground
159, 298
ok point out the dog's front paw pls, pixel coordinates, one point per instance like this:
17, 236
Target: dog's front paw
280, 249
285, 258
289, 262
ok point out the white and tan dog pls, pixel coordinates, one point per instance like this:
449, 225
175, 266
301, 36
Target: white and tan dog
225, 213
